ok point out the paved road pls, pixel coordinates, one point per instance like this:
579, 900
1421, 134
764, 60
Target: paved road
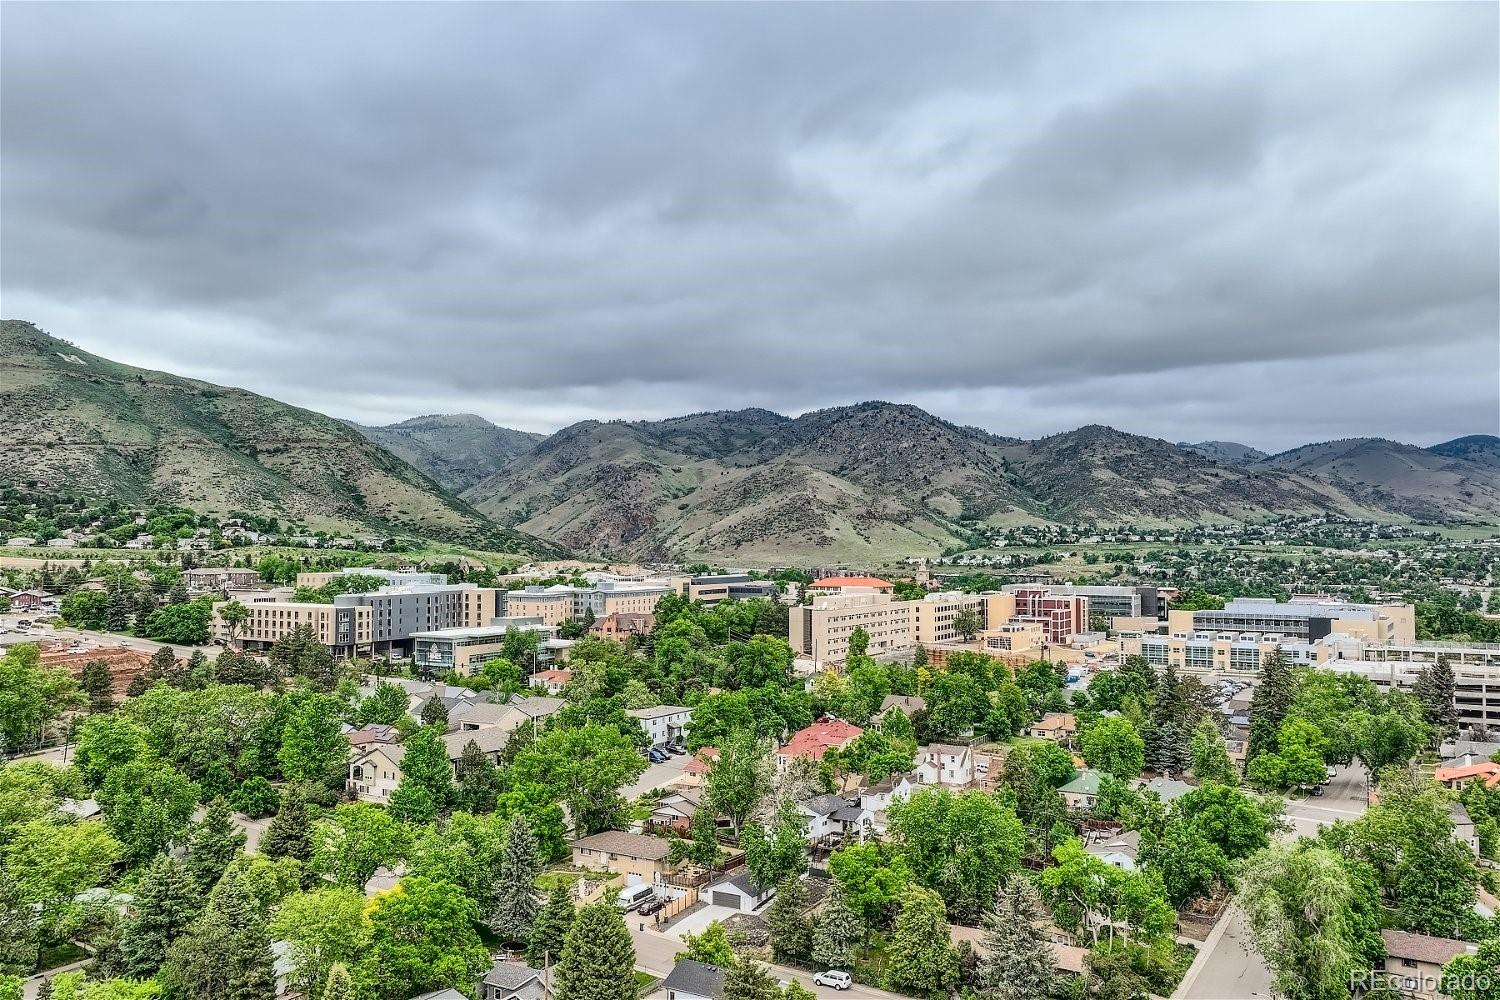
1229, 967
655, 951
657, 776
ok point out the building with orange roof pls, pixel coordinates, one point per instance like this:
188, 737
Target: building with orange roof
1456, 777
816, 740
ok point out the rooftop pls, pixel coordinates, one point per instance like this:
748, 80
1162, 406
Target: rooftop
629, 845
1423, 948
851, 581
696, 978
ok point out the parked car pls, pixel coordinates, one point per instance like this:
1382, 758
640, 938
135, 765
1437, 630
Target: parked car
835, 978
633, 896
676, 749
656, 757
651, 905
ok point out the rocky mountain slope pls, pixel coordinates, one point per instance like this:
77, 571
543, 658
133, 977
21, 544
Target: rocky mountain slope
78, 422
456, 450
1397, 478
1482, 449
1226, 452
879, 479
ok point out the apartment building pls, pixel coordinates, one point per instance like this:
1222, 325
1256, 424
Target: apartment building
1305, 617
1111, 602
664, 724
346, 630
561, 602
1061, 615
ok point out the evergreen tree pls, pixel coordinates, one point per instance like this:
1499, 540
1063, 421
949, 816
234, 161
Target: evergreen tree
162, 666
1270, 703
289, 835
138, 686
434, 712
213, 844
98, 684
1017, 962
168, 902
749, 980
550, 929
791, 935
478, 781
340, 985
44, 991
598, 959
199, 672
18, 930
515, 885
837, 931
921, 959
1434, 689
226, 954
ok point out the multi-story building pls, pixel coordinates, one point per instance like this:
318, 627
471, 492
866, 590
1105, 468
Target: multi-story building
664, 724
713, 588
561, 602
210, 578
1111, 602
1304, 617
1220, 652
1475, 666
831, 586
936, 614
821, 630
465, 649
1061, 615
381, 622
390, 577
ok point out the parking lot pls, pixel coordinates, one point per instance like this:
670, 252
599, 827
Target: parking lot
658, 776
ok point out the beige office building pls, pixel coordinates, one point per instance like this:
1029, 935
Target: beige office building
821, 630
1304, 617
559, 603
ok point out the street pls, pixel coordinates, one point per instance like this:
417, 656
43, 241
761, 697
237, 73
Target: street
1228, 967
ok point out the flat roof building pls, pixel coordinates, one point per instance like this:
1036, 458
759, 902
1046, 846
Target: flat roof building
1304, 617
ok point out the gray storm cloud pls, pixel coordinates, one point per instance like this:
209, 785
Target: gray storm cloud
1268, 223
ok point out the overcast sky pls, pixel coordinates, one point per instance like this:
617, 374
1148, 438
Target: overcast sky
1269, 223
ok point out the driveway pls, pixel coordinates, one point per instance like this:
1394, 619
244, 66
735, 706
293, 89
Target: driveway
658, 776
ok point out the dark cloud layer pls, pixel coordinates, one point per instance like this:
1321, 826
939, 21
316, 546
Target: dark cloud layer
1270, 223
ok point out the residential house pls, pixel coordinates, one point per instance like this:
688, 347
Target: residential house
448, 993
696, 769
816, 740
363, 736
375, 772
690, 980
740, 893
947, 764
624, 623
1059, 727
1118, 850
664, 724
1083, 791
1166, 789
1463, 826
553, 681
20, 542
1414, 962
491, 742
637, 857
513, 981
1456, 777
830, 818
907, 704
473, 714
675, 811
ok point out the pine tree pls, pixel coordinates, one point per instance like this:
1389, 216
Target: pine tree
791, 935
18, 930
162, 666
837, 931
199, 672
98, 684
138, 686
749, 980
169, 901
550, 929
478, 781
289, 835
1434, 689
434, 712
921, 959
598, 959
226, 954
515, 885
213, 844
1017, 962
1270, 703
340, 985
44, 991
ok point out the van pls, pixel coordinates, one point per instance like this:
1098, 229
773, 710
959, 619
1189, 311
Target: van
633, 896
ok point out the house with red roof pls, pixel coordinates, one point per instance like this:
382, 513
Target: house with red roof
816, 740
1456, 777
831, 586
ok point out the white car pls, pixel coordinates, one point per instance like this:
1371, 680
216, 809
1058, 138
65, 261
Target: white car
835, 978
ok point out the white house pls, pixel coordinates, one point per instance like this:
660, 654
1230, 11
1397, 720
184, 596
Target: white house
375, 773
1118, 850
740, 893
945, 764
664, 724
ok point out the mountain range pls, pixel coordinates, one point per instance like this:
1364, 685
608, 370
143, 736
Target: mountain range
858, 483
79, 423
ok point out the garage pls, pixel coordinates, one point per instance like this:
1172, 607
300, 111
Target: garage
739, 893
